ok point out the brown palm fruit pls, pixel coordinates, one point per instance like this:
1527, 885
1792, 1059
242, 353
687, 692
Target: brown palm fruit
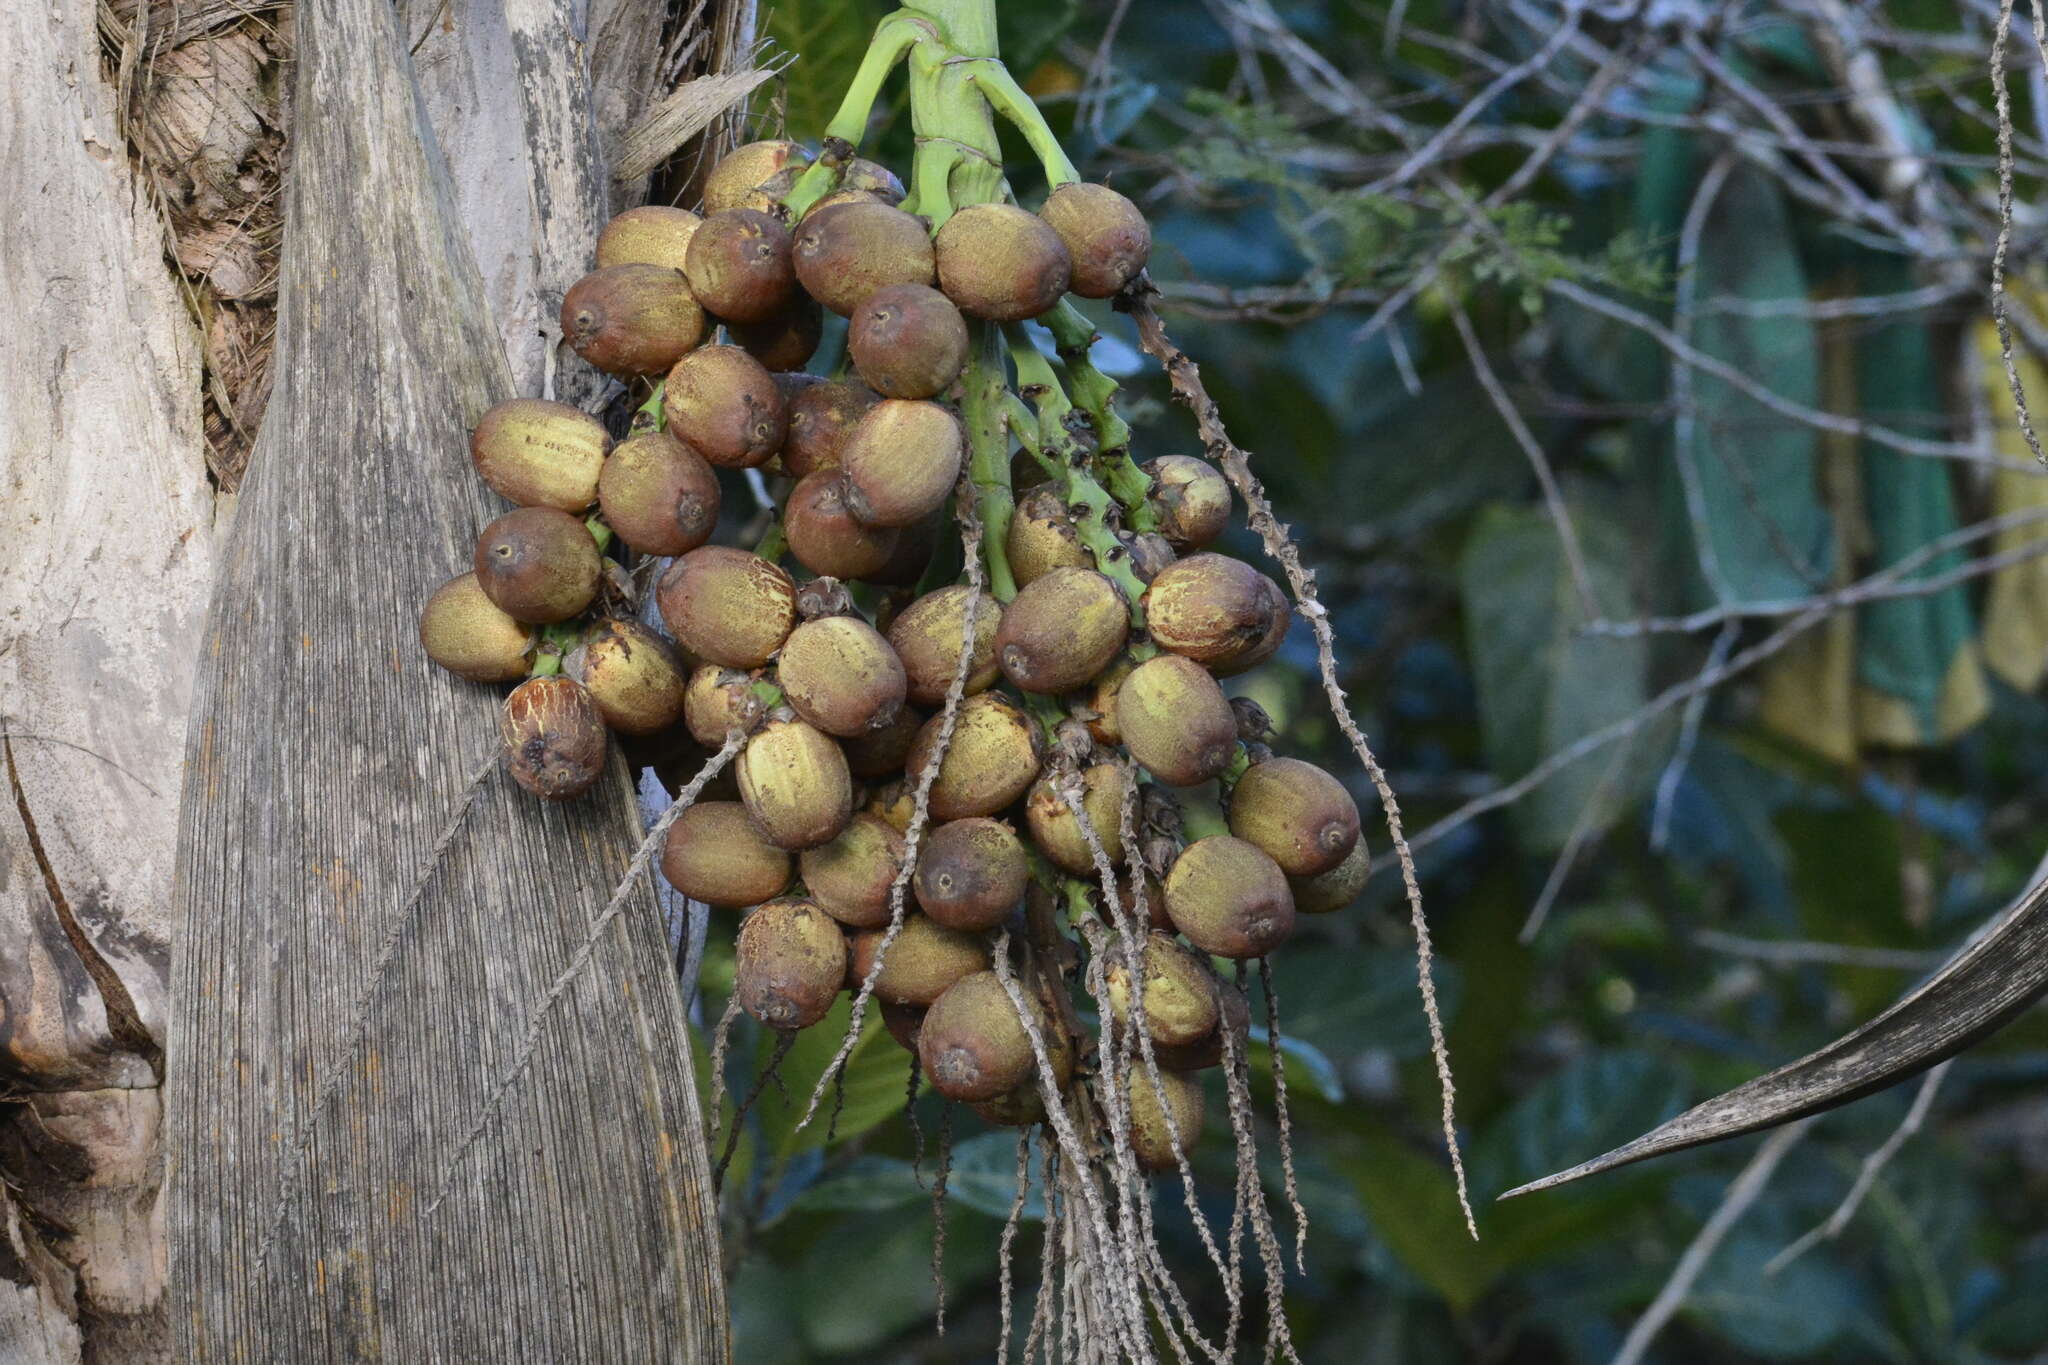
794, 782
925, 959
904, 1022
1062, 630
847, 252
915, 546
926, 636
471, 636
881, 753
717, 701
745, 167
658, 495
971, 873
1281, 614
1058, 835
972, 1043
851, 877
714, 854
632, 675
1024, 1103
901, 462
1149, 552
553, 737
739, 265
992, 760
872, 177
1101, 701
1335, 889
1215, 610
841, 676
1159, 1144
1042, 537
825, 537
1235, 1015
1174, 720
1180, 997
727, 606
838, 197
786, 342
821, 416
652, 234
726, 405
908, 341
1000, 262
789, 962
1300, 815
1191, 500
540, 454
632, 320
539, 565
1105, 236
1228, 898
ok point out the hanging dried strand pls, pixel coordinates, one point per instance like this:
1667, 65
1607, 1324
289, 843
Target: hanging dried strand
1186, 380
1006, 1249
939, 1215
785, 1039
1238, 1087
721, 1038
1048, 1259
1273, 1048
2002, 100
910, 1088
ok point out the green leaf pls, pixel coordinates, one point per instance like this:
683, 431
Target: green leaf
877, 1084
983, 1176
829, 38
1340, 1004
1590, 1106
1542, 684
867, 1184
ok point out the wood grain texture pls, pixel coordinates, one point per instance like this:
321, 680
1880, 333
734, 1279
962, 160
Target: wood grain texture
368, 931
1981, 990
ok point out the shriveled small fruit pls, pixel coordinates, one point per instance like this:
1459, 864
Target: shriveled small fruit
824, 535
894, 803
1159, 1144
1228, 898
1062, 630
841, 676
1335, 889
904, 1022
972, 1043
632, 320
795, 784
1180, 998
1175, 721
1149, 552
1101, 701
1106, 237
658, 495
992, 759
1218, 611
872, 177
821, 416
1058, 834
652, 234
845, 253
468, 634
727, 606
714, 854
908, 341
1000, 262
1042, 537
632, 675
1191, 500
924, 960
1300, 815
971, 873
926, 636
881, 753
717, 701
739, 265
785, 342
540, 454
789, 961
851, 876
553, 738
744, 167
538, 565
726, 405
901, 462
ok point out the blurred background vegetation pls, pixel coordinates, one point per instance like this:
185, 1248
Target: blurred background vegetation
1628, 371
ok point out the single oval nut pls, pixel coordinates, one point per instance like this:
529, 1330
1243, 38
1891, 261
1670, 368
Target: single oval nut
1061, 630
538, 453
727, 606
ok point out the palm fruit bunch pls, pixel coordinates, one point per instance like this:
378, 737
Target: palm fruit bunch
951, 783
